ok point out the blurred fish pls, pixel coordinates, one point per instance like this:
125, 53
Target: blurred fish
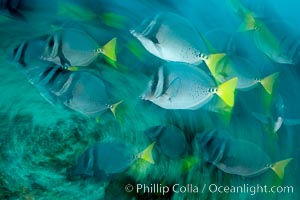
273, 116
108, 158
169, 140
171, 38
224, 67
72, 48
236, 156
12, 6
76, 11
275, 39
80, 91
183, 86
29, 53
282, 112
81, 12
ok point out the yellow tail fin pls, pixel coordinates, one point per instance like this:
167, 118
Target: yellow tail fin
248, 24
113, 107
73, 68
226, 91
279, 167
147, 154
109, 49
268, 82
212, 62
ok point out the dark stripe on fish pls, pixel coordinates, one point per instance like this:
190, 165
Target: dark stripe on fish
22, 56
12, 6
63, 60
154, 82
214, 146
152, 29
45, 74
19, 54
16, 51
165, 80
56, 73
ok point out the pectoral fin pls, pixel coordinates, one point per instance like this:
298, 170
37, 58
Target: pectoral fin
173, 88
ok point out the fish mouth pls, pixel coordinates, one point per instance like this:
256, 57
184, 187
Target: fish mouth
133, 32
144, 97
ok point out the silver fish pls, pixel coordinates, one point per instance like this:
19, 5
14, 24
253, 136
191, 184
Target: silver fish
74, 48
236, 156
274, 38
183, 86
80, 91
224, 67
106, 159
171, 38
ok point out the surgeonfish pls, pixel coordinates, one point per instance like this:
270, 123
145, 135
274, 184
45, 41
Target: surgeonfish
183, 86
73, 48
29, 53
169, 140
235, 156
108, 158
81, 91
224, 67
171, 38
275, 39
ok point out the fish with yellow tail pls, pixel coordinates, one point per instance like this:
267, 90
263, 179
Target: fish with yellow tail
183, 86
171, 38
107, 158
273, 38
235, 156
224, 67
81, 91
73, 48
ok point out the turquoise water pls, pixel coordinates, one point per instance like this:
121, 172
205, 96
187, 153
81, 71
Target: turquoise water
40, 141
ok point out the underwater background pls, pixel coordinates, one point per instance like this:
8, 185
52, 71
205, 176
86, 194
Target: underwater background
41, 141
